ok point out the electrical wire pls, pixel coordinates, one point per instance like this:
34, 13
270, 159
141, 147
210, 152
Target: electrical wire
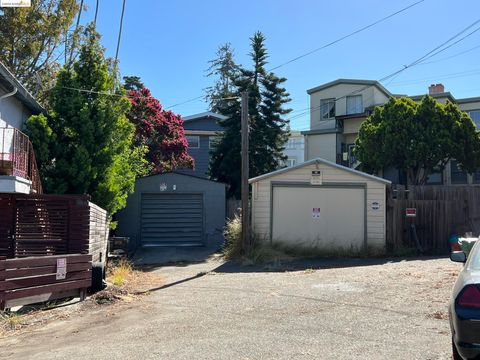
435, 51
346, 36
326, 45
96, 12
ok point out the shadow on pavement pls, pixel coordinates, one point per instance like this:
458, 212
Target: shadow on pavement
313, 264
152, 258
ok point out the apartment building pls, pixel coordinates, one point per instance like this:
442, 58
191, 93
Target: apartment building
338, 109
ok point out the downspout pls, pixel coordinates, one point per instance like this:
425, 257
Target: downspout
13, 92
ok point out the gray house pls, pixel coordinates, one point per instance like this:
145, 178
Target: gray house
174, 209
200, 131
18, 172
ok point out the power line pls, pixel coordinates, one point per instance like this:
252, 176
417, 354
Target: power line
326, 45
115, 66
75, 33
120, 31
347, 36
96, 12
438, 49
452, 56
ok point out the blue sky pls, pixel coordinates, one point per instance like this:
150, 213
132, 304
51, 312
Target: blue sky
169, 43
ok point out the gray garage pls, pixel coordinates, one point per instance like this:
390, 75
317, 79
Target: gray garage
174, 210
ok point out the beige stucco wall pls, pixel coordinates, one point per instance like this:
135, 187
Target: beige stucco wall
371, 95
261, 200
321, 145
352, 126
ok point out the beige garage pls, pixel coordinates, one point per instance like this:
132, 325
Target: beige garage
322, 205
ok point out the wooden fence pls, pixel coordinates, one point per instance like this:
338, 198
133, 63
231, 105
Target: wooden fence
37, 279
41, 225
441, 212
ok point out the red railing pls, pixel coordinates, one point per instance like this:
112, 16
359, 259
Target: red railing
17, 157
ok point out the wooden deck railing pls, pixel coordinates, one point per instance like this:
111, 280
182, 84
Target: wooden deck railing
17, 157
38, 279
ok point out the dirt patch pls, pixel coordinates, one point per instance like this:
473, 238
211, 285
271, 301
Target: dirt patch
135, 285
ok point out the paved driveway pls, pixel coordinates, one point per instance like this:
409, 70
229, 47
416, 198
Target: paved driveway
358, 310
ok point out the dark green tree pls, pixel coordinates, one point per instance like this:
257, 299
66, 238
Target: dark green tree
85, 145
417, 138
132, 83
268, 127
224, 70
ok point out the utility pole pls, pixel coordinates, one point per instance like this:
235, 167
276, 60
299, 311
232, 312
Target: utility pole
244, 183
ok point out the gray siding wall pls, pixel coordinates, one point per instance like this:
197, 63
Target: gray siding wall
202, 124
213, 197
201, 156
12, 112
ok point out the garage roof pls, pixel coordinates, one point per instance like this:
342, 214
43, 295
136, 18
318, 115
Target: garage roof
319, 161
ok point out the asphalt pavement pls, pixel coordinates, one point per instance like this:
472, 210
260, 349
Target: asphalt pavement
350, 309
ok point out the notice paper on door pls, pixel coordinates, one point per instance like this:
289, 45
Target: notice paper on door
316, 213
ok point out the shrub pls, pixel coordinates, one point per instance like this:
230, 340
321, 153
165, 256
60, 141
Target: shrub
233, 238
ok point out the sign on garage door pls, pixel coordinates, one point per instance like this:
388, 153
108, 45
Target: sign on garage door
172, 219
324, 217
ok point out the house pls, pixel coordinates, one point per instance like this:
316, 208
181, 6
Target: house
294, 148
321, 205
201, 131
18, 170
338, 108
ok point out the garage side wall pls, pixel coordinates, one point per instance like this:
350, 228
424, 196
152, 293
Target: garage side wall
214, 205
262, 191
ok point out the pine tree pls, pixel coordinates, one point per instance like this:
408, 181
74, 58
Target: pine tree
223, 67
268, 129
92, 152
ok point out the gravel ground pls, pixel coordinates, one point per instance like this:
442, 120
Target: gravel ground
352, 309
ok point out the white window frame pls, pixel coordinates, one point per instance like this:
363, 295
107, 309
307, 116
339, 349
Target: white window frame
357, 111
326, 115
191, 137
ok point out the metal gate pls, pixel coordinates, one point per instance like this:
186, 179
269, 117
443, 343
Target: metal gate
172, 220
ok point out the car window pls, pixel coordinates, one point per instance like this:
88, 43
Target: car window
474, 257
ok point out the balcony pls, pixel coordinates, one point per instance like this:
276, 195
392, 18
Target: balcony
17, 161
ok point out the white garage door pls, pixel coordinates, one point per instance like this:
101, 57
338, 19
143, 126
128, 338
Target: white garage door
325, 217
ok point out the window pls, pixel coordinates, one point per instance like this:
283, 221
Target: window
212, 142
457, 175
291, 162
475, 115
435, 177
193, 141
294, 144
327, 109
354, 104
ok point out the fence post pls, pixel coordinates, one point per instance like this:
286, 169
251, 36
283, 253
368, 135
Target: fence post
3, 261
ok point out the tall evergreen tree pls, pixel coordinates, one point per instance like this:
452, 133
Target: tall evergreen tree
90, 140
132, 83
268, 128
223, 67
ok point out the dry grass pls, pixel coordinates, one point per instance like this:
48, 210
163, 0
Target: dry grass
125, 284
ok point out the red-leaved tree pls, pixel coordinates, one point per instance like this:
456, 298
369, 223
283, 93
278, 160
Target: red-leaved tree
160, 130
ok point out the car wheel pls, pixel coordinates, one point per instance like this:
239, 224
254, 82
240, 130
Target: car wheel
455, 354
